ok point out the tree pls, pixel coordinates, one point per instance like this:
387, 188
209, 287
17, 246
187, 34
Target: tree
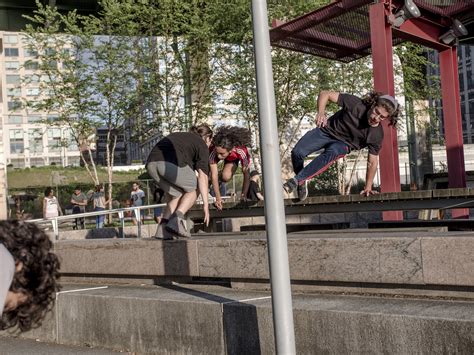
63, 76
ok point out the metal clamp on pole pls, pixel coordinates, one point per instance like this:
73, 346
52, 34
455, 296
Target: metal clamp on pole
122, 223
137, 213
54, 223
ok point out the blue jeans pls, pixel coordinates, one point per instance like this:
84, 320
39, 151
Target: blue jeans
311, 142
99, 220
222, 189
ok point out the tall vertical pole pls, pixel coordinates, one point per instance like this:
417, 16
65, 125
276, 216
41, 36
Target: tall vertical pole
274, 208
381, 40
448, 61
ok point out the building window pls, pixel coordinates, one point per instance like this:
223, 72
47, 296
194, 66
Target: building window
55, 161
72, 144
30, 52
32, 92
35, 140
36, 162
52, 118
15, 119
54, 139
14, 105
32, 79
33, 119
13, 79
31, 65
10, 39
12, 65
74, 161
16, 141
11, 52
18, 163
16, 92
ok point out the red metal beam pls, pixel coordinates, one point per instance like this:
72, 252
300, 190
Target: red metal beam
421, 32
381, 38
452, 123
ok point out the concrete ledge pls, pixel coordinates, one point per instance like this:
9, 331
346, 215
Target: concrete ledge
362, 256
212, 320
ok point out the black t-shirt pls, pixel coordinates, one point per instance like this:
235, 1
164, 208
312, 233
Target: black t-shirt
253, 190
351, 125
181, 149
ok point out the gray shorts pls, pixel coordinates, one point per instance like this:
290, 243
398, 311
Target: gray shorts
171, 178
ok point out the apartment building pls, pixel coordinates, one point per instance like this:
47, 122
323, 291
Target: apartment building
466, 89
27, 140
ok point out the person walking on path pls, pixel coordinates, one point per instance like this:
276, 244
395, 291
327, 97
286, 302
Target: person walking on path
355, 126
179, 163
99, 203
79, 203
230, 144
51, 207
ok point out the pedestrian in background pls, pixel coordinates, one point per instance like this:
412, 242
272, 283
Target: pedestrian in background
254, 193
79, 203
51, 207
99, 203
137, 198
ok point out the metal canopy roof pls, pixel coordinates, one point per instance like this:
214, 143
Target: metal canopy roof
341, 30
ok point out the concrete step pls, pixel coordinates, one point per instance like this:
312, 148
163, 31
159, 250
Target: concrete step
299, 227
414, 258
21, 346
451, 224
184, 319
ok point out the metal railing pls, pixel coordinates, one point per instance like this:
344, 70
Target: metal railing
54, 221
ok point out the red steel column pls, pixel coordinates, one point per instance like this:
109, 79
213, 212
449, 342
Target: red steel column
448, 61
381, 40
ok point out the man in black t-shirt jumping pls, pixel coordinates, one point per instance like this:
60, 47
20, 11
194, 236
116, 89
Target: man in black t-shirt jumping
355, 126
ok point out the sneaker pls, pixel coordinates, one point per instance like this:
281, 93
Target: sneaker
290, 185
177, 226
162, 233
303, 191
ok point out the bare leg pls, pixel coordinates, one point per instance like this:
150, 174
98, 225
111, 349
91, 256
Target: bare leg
187, 201
228, 171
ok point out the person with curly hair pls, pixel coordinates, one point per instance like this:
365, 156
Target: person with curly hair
355, 126
230, 144
179, 164
29, 272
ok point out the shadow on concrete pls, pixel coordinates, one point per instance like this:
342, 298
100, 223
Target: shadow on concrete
102, 233
176, 259
240, 322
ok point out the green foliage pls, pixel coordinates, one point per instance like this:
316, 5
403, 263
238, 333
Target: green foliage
155, 67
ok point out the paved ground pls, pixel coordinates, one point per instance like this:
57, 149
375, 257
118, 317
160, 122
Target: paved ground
14, 346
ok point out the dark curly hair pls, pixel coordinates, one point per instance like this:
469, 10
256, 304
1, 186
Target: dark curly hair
229, 137
38, 278
373, 99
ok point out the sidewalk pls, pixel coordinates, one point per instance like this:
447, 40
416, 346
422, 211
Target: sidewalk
13, 346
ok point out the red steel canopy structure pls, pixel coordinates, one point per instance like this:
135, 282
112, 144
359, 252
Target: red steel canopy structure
346, 30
